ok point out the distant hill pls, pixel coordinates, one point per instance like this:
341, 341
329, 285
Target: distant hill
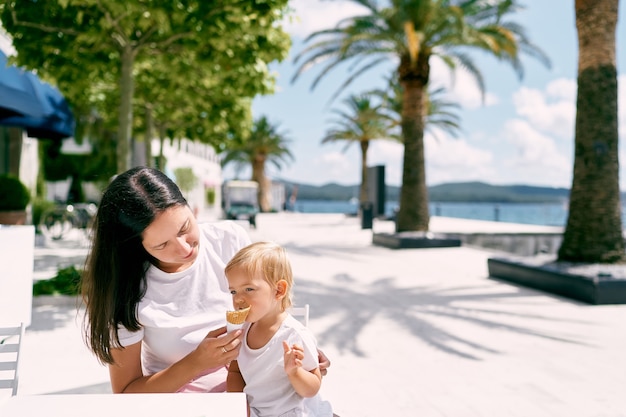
482, 192
450, 192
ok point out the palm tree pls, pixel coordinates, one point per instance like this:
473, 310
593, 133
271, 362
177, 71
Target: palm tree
440, 112
362, 123
265, 144
411, 32
594, 226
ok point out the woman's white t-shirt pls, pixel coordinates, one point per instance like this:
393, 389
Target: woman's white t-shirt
180, 308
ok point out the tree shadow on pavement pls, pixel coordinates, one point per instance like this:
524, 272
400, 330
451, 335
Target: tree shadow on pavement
53, 312
352, 306
51, 263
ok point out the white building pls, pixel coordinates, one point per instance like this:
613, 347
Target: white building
205, 164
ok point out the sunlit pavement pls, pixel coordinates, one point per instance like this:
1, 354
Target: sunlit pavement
413, 332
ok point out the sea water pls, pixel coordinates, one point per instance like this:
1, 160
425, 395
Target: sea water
547, 214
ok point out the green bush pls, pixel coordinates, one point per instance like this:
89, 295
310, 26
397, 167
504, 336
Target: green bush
14, 195
185, 179
66, 282
210, 196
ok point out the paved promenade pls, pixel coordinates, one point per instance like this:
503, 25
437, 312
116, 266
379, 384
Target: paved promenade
413, 332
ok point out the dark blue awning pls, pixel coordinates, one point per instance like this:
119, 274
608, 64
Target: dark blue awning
29, 103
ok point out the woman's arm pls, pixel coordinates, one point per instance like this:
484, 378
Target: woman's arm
306, 383
127, 377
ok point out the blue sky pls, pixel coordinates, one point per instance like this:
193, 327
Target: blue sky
523, 134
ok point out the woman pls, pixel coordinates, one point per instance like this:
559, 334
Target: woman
155, 290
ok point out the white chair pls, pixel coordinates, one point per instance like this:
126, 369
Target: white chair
10, 349
301, 313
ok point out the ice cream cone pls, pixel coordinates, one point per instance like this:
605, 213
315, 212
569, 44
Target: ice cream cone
236, 318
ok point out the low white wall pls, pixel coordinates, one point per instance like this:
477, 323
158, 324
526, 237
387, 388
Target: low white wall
17, 248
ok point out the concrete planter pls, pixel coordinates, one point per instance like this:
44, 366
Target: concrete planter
17, 248
414, 240
590, 283
17, 217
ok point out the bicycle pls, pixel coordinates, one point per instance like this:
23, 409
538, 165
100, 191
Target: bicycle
58, 221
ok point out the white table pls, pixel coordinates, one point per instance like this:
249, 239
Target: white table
126, 405
17, 252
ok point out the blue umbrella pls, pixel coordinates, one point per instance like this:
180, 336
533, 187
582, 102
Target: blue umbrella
29, 103
20, 92
57, 122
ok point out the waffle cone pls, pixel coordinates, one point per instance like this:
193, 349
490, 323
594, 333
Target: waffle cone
237, 316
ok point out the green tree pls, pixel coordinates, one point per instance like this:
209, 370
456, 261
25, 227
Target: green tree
264, 144
362, 122
96, 50
411, 32
594, 226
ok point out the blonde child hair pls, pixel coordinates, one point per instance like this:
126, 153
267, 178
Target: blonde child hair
268, 258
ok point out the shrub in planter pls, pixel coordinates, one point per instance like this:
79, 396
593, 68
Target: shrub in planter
14, 197
13, 194
210, 196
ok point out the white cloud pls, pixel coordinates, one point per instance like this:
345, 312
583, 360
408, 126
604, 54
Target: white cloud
449, 159
462, 87
552, 111
562, 88
535, 158
336, 166
313, 15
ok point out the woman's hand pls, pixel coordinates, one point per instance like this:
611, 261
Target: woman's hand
323, 361
218, 348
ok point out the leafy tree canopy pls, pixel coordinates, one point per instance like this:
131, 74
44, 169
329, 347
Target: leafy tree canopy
197, 63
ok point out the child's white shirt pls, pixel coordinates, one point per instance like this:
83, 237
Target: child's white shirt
268, 389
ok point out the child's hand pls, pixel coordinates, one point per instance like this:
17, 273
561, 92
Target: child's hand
293, 357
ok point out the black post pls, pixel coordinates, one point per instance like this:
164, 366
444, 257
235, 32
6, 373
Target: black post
367, 215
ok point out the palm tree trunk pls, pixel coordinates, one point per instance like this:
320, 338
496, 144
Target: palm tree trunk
413, 214
594, 227
258, 175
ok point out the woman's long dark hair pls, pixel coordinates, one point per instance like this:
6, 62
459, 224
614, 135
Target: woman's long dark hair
114, 280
